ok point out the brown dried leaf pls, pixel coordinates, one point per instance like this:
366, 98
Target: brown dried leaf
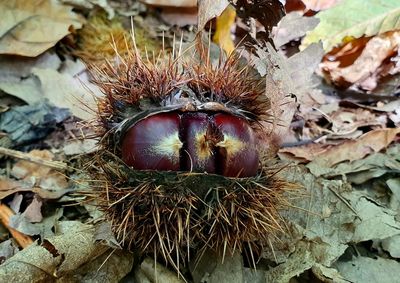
56, 256
33, 212
351, 150
31, 27
40, 175
23, 169
365, 65
302, 154
293, 26
208, 10
267, 13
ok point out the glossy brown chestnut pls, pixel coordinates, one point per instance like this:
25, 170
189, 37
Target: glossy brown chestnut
199, 151
238, 155
153, 143
195, 141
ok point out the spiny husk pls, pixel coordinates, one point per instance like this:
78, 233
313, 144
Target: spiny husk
100, 37
133, 84
174, 213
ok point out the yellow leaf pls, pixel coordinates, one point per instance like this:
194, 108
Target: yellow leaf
222, 34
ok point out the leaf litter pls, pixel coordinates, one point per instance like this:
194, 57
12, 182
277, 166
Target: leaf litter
349, 146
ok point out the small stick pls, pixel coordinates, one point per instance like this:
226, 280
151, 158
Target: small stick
5, 214
58, 165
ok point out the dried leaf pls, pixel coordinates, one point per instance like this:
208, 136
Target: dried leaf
7, 250
208, 10
12, 185
56, 256
373, 17
222, 35
326, 274
267, 12
374, 222
30, 28
103, 232
392, 245
360, 171
157, 272
44, 229
92, 5
80, 146
65, 91
43, 118
298, 262
33, 212
111, 266
373, 141
25, 169
369, 270
293, 26
212, 268
369, 67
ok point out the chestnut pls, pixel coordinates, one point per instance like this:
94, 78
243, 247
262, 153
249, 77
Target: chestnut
238, 155
198, 153
193, 141
153, 143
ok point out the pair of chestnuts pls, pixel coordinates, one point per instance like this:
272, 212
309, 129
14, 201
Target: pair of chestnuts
217, 143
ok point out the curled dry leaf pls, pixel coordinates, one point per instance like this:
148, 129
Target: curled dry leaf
42, 176
349, 150
293, 26
373, 141
371, 61
208, 10
369, 270
31, 27
373, 17
43, 118
156, 272
55, 257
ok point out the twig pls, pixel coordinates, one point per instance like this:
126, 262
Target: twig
58, 165
5, 214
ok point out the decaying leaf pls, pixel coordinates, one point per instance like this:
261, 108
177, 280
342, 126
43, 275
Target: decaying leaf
362, 170
7, 250
222, 35
351, 150
43, 119
209, 10
374, 221
369, 270
155, 271
211, 268
285, 80
92, 5
369, 67
111, 266
392, 245
293, 26
55, 257
40, 175
30, 28
372, 17
65, 91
